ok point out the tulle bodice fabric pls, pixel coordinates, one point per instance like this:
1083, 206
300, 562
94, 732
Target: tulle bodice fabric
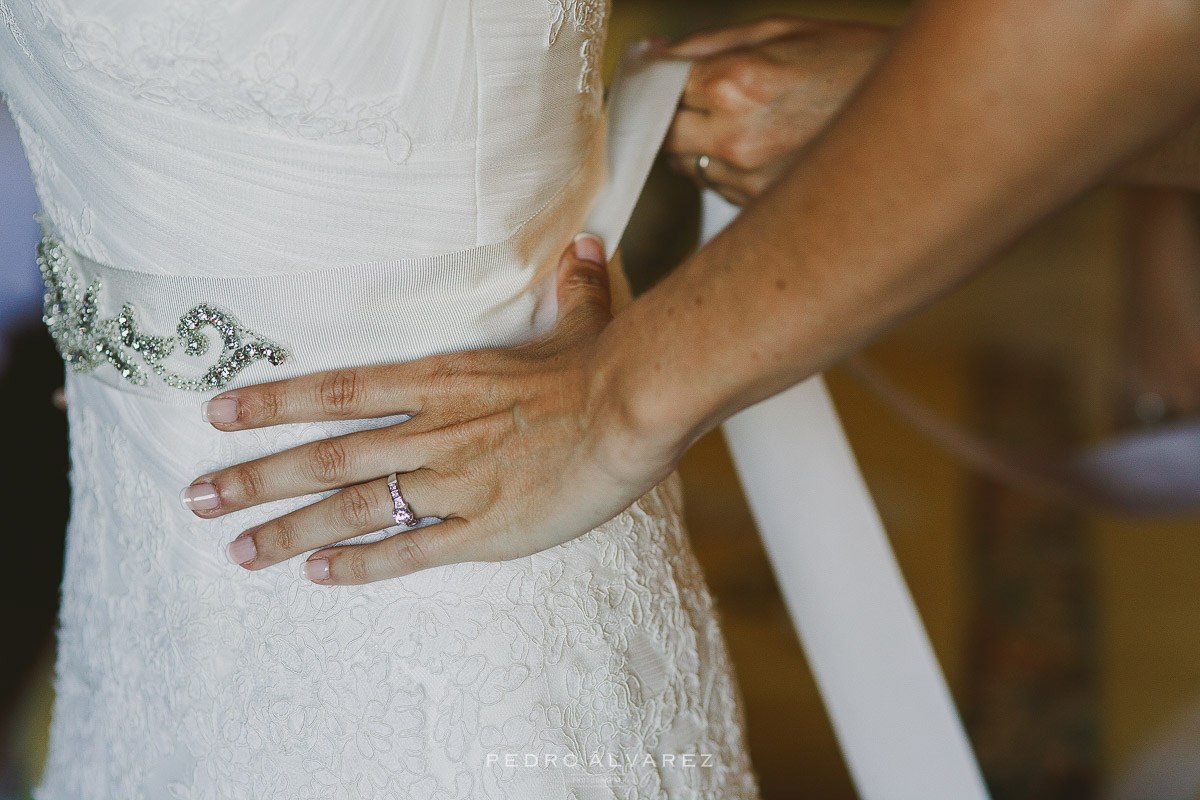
261, 136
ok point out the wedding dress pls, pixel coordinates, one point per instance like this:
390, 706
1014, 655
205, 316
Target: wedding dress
248, 190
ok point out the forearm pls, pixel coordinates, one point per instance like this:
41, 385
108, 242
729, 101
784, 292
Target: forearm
982, 118
1173, 161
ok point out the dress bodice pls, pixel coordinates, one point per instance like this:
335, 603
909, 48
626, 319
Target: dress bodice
249, 137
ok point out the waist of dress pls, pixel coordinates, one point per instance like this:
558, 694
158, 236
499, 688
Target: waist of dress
170, 337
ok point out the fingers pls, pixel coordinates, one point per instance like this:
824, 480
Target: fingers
735, 83
355, 393
355, 510
740, 143
584, 292
691, 132
400, 554
737, 186
318, 466
709, 43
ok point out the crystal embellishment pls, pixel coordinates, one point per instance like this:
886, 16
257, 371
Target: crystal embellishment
87, 342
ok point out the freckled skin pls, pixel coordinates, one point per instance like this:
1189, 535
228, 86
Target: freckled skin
885, 167
760, 92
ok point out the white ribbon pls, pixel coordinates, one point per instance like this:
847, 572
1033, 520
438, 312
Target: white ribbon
877, 673
890, 706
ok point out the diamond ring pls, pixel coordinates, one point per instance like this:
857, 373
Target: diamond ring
402, 514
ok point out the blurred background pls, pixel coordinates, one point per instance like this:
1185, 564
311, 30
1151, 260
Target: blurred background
1070, 639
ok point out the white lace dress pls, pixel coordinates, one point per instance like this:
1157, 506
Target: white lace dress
325, 184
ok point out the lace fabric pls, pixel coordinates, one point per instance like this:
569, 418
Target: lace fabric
180, 676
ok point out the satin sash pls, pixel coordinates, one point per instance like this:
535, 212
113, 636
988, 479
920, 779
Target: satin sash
887, 698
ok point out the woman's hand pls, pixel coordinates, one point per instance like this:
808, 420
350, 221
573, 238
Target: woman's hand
759, 92
517, 450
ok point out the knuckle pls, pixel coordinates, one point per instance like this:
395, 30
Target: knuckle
753, 156
354, 562
284, 536
264, 406
720, 89
744, 74
736, 81
246, 481
587, 279
762, 179
328, 461
409, 553
754, 151
355, 508
756, 184
441, 374
340, 392
737, 149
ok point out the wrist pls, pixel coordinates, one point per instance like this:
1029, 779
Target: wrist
638, 425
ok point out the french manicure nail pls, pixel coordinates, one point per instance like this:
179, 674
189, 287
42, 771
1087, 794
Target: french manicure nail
317, 569
200, 497
242, 549
589, 248
221, 409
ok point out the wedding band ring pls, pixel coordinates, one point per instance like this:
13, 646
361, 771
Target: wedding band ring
702, 164
402, 514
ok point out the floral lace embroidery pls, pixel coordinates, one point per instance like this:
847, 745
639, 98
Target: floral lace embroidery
588, 17
10, 22
178, 62
180, 677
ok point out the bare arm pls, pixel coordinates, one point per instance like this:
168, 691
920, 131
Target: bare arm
1172, 162
981, 119
762, 91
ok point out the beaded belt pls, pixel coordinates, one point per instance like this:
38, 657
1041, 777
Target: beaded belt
153, 334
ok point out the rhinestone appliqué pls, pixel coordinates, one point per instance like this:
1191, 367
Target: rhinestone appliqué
87, 342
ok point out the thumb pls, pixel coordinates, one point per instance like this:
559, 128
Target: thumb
583, 289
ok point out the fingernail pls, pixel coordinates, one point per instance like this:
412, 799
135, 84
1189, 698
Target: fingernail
589, 248
242, 549
221, 409
316, 570
200, 497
